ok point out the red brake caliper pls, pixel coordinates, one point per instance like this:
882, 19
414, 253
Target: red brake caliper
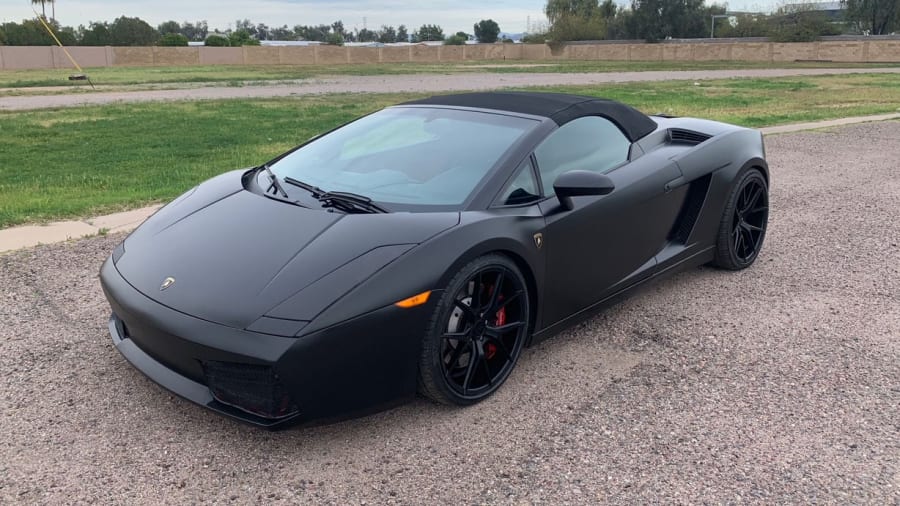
490, 349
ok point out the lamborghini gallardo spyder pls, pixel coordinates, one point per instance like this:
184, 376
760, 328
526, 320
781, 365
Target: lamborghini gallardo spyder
420, 248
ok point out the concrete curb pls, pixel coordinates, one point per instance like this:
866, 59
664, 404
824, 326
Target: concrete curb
27, 236
33, 235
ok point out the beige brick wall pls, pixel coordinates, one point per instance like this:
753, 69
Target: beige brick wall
883, 51
513, 51
84, 56
424, 54
678, 52
294, 55
793, 51
16, 57
751, 51
612, 51
331, 55
27, 58
645, 52
476, 52
395, 54
132, 56
362, 54
712, 52
586, 52
840, 51
221, 56
172, 56
261, 55
534, 51
452, 53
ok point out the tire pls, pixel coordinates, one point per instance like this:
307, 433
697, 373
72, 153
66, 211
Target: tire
474, 339
745, 219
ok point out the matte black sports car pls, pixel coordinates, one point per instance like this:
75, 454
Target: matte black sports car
420, 248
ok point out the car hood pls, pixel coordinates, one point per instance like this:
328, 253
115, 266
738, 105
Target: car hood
235, 256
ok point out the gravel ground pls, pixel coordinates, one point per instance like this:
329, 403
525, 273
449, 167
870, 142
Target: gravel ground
421, 83
778, 384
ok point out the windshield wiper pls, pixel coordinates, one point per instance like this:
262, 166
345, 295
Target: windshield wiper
350, 202
345, 201
273, 182
315, 190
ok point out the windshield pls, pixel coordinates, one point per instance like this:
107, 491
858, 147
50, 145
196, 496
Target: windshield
416, 156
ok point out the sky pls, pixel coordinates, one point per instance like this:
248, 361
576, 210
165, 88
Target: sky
452, 15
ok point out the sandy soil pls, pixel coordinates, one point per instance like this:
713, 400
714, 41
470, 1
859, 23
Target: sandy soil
778, 384
421, 83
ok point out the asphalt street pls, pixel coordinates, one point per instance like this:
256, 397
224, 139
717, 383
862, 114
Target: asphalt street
777, 384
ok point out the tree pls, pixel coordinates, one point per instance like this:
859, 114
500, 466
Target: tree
801, 24
487, 31
583, 9
429, 33
366, 35
44, 6
96, 34
195, 32
455, 40
655, 20
316, 33
608, 9
125, 31
387, 34
245, 25
167, 27
173, 39
877, 17
334, 39
281, 33
402, 35
242, 38
338, 28
27, 33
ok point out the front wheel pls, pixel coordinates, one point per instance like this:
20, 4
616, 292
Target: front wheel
743, 226
476, 333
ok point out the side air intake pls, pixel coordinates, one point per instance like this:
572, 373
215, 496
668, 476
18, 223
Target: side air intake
681, 136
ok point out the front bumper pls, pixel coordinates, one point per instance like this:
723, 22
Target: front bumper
353, 368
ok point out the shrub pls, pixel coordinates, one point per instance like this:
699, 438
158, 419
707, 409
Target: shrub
173, 39
454, 40
217, 41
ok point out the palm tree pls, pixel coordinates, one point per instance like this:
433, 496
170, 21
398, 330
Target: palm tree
44, 6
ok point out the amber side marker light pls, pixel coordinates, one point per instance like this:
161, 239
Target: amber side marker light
415, 300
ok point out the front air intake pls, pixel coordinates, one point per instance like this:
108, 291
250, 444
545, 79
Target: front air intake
682, 136
255, 389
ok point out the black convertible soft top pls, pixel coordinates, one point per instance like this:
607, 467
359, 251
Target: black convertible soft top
559, 107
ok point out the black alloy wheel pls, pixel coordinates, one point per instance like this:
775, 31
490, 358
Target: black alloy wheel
477, 332
743, 226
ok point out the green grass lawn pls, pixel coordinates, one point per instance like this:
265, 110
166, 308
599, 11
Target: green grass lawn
84, 161
238, 74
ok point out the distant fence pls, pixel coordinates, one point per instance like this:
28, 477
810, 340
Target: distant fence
43, 57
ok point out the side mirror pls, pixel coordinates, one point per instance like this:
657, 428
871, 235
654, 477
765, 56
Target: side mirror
577, 183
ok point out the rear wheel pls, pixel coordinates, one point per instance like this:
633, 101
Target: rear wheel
476, 333
743, 227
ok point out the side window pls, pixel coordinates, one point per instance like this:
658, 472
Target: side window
523, 188
590, 143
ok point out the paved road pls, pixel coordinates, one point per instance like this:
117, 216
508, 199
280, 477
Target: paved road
424, 83
779, 384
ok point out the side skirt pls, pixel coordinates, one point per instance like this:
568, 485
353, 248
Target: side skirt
697, 259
